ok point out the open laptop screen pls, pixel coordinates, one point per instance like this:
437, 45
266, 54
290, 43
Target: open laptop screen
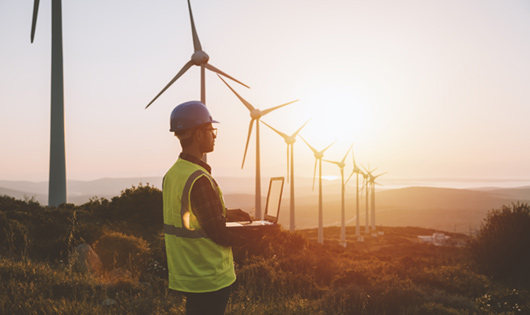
274, 198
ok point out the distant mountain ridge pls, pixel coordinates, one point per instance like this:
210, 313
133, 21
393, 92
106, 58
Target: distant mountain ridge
449, 209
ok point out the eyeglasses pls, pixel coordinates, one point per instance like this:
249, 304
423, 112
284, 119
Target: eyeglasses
213, 131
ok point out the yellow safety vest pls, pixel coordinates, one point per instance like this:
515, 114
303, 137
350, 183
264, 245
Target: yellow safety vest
195, 262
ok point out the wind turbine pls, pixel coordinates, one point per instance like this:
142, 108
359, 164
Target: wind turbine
365, 186
372, 183
290, 140
198, 58
357, 171
57, 179
341, 166
255, 115
318, 158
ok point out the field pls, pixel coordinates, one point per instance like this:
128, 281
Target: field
281, 273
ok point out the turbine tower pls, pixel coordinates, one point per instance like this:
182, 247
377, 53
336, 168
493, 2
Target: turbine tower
57, 179
372, 183
356, 170
255, 115
365, 186
199, 58
290, 140
318, 160
341, 166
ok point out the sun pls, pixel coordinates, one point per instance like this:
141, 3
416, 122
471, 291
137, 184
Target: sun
337, 113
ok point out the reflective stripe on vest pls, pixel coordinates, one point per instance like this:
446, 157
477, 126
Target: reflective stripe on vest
183, 232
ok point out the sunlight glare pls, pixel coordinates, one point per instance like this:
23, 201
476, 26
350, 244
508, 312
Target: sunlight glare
337, 113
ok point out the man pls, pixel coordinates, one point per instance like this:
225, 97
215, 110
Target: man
199, 256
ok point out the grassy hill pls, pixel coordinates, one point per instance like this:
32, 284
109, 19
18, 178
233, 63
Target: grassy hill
279, 273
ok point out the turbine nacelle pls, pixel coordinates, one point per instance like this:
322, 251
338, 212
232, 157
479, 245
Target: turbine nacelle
290, 140
255, 113
200, 58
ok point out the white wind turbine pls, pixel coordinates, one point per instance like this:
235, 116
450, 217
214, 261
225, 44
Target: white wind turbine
341, 166
290, 140
57, 179
356, 170
318, 160
371, 185
365, 186
199, 58
255, 115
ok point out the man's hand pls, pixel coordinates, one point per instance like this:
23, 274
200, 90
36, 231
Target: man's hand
234, 215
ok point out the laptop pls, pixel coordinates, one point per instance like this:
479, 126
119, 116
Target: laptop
272, 207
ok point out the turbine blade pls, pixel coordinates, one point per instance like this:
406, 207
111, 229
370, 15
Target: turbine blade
312, 149
265, 112
333, 162
248, 139
328, 147
353, 172
376, 176
283, 135
344, 159
196, 42
214, 69
355, 167
364, 168
179, 74
34, 22
315, 174
247, 104
297, 131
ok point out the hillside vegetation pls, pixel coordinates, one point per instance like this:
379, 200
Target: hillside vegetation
282, 273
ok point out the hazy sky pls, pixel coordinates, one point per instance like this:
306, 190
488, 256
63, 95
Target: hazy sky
422, 88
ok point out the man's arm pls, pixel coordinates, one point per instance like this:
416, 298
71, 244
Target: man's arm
209, 212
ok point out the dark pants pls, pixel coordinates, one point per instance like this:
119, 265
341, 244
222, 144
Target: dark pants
209, 303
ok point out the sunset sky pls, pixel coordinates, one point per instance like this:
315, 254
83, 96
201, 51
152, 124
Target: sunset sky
423, 89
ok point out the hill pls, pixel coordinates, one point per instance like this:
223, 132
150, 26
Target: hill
279, 272
457, 210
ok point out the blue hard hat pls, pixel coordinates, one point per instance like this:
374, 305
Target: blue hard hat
189, 115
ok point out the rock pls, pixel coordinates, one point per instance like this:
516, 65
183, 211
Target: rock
84, 258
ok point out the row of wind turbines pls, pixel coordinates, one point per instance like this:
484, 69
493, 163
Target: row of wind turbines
200, 58
57, 178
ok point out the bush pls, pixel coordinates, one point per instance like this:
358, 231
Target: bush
13, 236
501, 247
140, 205
118, 250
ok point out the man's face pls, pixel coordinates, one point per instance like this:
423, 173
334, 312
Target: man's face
207, 138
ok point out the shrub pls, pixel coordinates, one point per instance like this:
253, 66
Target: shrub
118, 250
501, 247
13, 236
140, 205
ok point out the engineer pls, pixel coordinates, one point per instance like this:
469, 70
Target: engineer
198, 244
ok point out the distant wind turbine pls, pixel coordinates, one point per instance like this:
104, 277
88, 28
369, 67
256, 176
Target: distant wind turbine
341, 166
57, 179
356, 170
199, 58
255, 115
372, 184
290, 140
318, 160
365, 186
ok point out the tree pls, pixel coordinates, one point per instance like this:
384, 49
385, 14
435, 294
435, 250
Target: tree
502, 246
140, 205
